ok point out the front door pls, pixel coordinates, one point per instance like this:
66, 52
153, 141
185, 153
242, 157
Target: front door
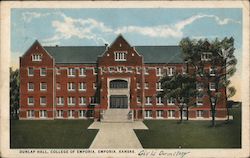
119, 101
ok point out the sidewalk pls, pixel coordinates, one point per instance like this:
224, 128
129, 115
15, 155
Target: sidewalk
116, 135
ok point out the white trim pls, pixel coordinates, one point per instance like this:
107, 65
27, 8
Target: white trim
70, 101
28, 71
70, 72
81, 99
82, 72
41, 89
71, 86
28, 101
82, 86
210, 86
41, 100
30, 90
43, 68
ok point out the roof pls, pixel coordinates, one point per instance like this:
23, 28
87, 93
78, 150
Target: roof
89, 54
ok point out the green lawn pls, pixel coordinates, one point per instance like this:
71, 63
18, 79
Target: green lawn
192, 134
51, 134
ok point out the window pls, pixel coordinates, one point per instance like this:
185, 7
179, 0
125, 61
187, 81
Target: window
212, 86
82, 72
159, 101
60, 101
171, 101
30, 101
184, 69
212, 71
43, 113
59, 113
199, 113
206, 56
200, 71
199, 86
119, 69
71, 86
199, 99
30, 86
146, 85
71, 72
158, 71
148, 101
82, 86
43, 86
30, 113
82, 113
158, 86
93, 100
171, 113
138, 85
71, 113
30, 71
159, 113
112, 69
95, 71
120, 55
148, 113
58, 86
94, 85
138, 70
138, 99
129, 69
82, 101
43, 72
37, 57
71, 100
118, 84
42, 100
146, 71
170, 71
58, 72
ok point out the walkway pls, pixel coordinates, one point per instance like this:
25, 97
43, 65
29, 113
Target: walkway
116, 135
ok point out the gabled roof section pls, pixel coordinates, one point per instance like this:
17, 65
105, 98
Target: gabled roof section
119, 38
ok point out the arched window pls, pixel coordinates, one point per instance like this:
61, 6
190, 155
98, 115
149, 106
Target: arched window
118, 84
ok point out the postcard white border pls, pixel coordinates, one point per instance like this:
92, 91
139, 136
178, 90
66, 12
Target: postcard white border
5, 63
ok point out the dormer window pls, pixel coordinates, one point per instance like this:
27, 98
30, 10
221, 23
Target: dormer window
37, 57
120, 55
206, 56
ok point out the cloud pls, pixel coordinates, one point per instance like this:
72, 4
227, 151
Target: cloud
28, 16
91, 29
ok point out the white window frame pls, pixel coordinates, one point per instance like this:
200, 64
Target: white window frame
58, 86
71, 101
205, 56
81, 100
41, 103
82, 86
28, 101
158, 71
171, 113
82, 72
71, 86
138, 70
171, 70
43, 114
129, 69
29, 74
94, 70
184, 70
36, 57
197, 101
120, 55
138, 85
148, 100
146, 69
159, 112
71, 113
146, 85
41, 71
82, 113
158, 86
199, 113
30, 113
211, 69
71, 72
212, 86
138, 99
171, 101
60, 101
59, 113
94, 86
159, 101
148, 113
28, 85
58, 71
41, 86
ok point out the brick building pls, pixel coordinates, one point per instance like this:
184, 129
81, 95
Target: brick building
75, 82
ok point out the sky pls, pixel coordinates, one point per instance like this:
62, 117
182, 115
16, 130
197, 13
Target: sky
139, 26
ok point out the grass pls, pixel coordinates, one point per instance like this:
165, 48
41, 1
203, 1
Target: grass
192, 134
51, 134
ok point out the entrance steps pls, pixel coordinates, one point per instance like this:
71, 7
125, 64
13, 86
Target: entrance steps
117, 115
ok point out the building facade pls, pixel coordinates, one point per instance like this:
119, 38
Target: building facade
78, 82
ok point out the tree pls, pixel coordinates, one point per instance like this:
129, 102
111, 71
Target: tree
217, 54
14, 93
180, 87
